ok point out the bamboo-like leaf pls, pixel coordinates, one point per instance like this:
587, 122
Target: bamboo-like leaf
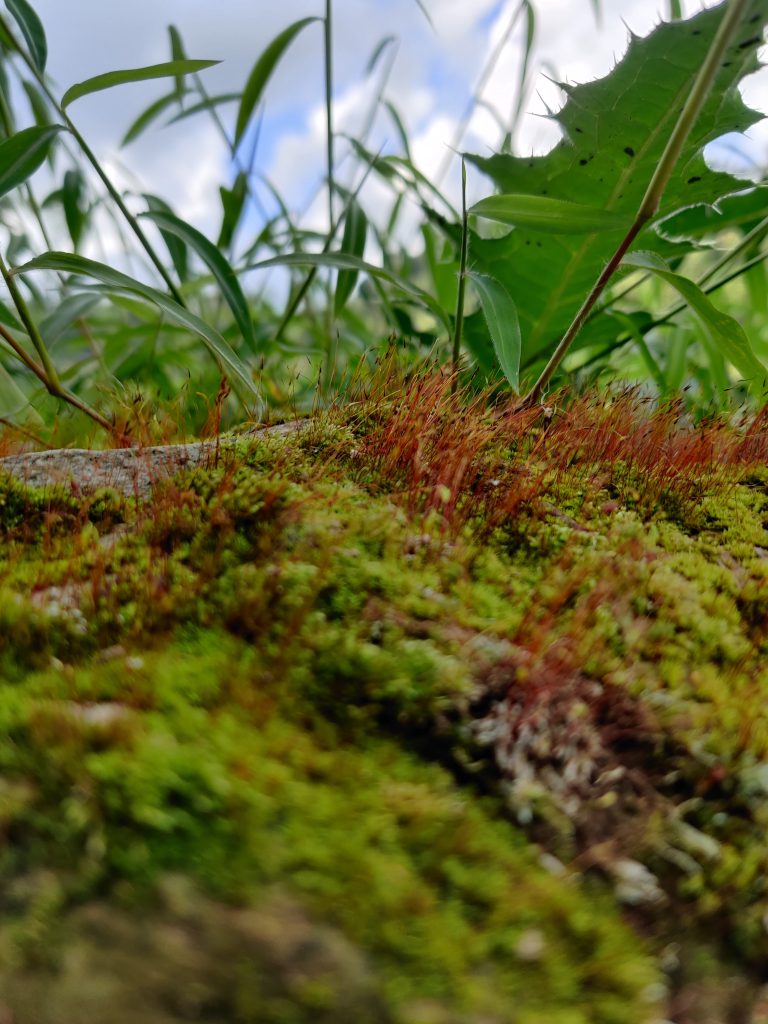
551, 215
262, 72
177, 249
229, 363
37, 103
23, 153
32, 30
216, 263
209, 103
352, 243
147, 116
341, 261
72, 192
503, 323
13, 400
171, 69
70, 309
726, 333
233, 203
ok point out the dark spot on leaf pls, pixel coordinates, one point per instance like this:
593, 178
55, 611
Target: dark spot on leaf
545, 192
696, 32
583, 163
750, 42
694, 179
527, 241
530, 163
579, 130
754, 18
727, 63
629, 151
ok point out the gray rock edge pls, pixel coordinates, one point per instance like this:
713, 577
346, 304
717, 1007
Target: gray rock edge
130, 471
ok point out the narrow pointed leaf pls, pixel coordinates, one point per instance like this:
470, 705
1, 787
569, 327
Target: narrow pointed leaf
209, 103
551, 215
262, 72
13, 401
112, 78
70, 309
146, 117
177, 53
229, 363
37, 103
177, 249
23, 153
353, 243
503, 323
216, 263
341, 261
233, 203
726, 333
32, 30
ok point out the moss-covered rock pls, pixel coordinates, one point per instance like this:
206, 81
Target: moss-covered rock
350, 728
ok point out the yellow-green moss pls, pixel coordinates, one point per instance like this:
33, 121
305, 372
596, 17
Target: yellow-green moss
274, 677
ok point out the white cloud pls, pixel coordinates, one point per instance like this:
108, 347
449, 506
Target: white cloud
430, 84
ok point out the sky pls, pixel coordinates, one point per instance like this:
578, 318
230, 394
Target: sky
433, 75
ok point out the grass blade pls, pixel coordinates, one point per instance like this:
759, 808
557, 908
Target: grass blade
32, 30
146, 117
726, 333
262, 71
353, 243
501, 317
170, 69
228, 361
342, 261
216, 263
23, 153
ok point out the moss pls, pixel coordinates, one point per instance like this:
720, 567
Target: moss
300, 673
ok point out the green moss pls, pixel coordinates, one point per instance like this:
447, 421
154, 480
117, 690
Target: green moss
283, 676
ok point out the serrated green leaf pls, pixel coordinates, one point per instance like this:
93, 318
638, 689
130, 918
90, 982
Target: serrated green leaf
262, 72
555, 216
353, 243
227, 360
744, 210
727, 334
216, 263
32, 30
112, 78
614, 132
503, 325
23, 153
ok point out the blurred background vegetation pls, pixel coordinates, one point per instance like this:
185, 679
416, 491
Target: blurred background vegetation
290, 314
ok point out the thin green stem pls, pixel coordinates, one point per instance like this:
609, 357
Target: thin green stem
328, 41
52, 382
652, 198
460, 296
92, 159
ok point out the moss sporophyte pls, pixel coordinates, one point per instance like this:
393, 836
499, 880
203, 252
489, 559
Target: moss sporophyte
476, 714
